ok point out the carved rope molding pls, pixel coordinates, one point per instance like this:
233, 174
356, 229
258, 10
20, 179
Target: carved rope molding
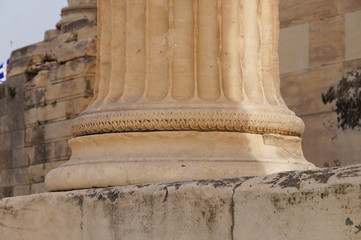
187, 120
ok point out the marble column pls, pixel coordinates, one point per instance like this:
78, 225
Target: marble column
185, 89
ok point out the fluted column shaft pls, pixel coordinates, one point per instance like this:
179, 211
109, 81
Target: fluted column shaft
188, 64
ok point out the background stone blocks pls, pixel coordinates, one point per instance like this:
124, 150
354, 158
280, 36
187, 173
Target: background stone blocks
53, 81
332, 49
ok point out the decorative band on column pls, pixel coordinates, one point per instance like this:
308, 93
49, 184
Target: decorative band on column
198, 120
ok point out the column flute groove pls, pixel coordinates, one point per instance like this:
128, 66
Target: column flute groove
157, 69
232, 78
251, 48
118, 49
208, 50
106, 57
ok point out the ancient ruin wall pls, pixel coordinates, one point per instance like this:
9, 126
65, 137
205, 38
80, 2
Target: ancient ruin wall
48, 84
319, 44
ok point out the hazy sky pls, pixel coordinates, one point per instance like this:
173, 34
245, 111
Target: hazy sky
24, 22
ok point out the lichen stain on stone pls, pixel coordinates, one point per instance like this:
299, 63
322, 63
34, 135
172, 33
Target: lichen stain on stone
139, 186
354, 171
226, 182
166, 194
358, 227
324, 195
348, 222
10, 210
111, 194
341, 189
293, 179
276, 201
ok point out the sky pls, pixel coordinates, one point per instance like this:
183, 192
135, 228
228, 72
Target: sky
24, 22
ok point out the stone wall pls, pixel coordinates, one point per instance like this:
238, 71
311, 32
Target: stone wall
48, 84
319, 44
318, 205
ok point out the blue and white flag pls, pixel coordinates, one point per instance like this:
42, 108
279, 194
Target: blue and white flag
3, 71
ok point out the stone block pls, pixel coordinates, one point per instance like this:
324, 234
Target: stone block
49, 152
17, 139
34, 135
327, 146
21, 190
37, 172
293, 12
31, 115
7, 124
40, 80
53, 110
21, 57
302, 90
75, 106
5, 159
321, 204
14, 177
9, 141
327, 41
5, 144
12, 122
14, 96
72, 69
2, 91
6, 192
87, 32
294, 48
35, 97
318, 204
353, 35
75, 3
68, 89
347, 6
57, 130
38, 188
20, 158
77, 24
51, 34
75, 49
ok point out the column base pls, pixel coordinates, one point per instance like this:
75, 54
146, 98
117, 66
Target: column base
118, 159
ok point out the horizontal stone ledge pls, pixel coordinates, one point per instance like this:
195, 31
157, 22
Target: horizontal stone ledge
317, 204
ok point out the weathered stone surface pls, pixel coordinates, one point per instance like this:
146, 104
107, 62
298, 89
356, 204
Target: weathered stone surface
5, 159
294, 45
37, 172
38, 97
67, 89
48, 152
75, 49
20, 158
295, 12
21, 190
58, 130
37, 188
303, 89
320, 204
353, 35
14, 177
349, 6
327, 41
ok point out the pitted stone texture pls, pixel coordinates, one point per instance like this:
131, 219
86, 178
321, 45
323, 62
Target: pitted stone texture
278, 206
